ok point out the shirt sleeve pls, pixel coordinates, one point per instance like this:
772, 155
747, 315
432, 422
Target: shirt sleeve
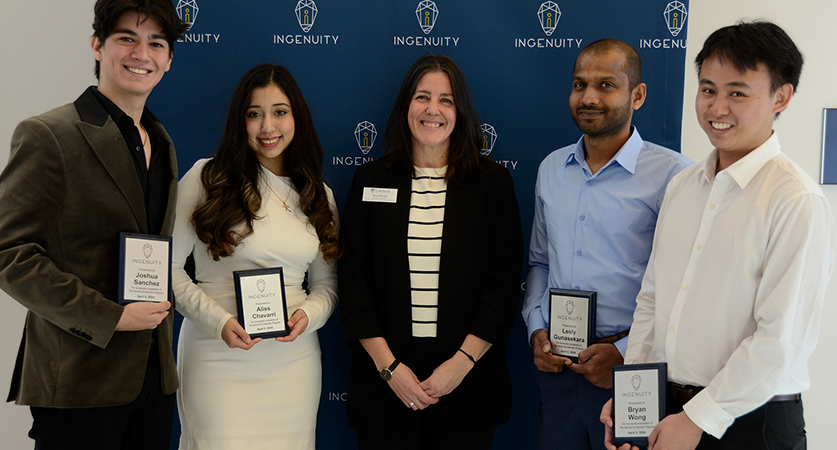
322, 285
795, 274
641, 339
537, 278
192, 302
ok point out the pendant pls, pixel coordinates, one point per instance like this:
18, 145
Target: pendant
287, 208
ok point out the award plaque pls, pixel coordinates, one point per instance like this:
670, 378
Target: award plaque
639, 402
261, 304
572, 321
144, 268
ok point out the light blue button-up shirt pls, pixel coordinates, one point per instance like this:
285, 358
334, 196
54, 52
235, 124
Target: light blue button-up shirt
594, 232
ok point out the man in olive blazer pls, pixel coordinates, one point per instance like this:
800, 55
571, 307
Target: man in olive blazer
65, 196
96, 374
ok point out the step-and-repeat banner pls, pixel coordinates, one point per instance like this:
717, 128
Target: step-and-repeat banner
350, 58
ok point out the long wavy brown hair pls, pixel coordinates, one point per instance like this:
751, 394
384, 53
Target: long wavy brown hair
231, 179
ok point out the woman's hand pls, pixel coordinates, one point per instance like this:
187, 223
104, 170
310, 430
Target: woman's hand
447, 376
406, 386
297, 323
235, 336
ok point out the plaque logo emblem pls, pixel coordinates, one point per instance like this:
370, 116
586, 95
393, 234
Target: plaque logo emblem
306, 14
260, 284
187, 10
489, 137
548, 15
675, 15
570, 307
147, 249
426, 14
365, 134
636, 381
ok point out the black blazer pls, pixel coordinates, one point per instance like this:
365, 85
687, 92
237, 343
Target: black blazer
70, 187
479, 290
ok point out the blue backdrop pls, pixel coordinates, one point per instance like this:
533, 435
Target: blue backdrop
349, 58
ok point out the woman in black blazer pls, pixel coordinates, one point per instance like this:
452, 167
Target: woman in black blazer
430, 276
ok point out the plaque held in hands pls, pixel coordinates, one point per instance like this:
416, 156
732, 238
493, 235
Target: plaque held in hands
572, 321
260, 300
639, 402
144, 268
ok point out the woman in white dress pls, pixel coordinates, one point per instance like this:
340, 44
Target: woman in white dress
259, 203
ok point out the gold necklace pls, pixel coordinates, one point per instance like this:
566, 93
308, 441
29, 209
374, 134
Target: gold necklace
424, 171
290, 188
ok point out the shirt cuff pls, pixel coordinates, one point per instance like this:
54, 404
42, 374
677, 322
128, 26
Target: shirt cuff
622, 346
707, 415
535, 322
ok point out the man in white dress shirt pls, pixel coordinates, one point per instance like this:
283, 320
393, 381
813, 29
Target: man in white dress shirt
741, 259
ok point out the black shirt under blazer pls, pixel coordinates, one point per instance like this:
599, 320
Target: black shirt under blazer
479, 291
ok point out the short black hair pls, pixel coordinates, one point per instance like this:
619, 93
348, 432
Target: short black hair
106, 13
632, 67
747, 44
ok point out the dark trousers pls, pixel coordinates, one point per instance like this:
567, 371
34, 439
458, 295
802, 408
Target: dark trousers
568, 415
433, 435
773, 426
144, 424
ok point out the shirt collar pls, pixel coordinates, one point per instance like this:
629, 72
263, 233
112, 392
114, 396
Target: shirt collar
625, 157
743, 170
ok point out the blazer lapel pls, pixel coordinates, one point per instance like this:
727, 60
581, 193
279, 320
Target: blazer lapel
171, 205
107, 143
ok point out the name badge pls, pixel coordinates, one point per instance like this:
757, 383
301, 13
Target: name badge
380, 195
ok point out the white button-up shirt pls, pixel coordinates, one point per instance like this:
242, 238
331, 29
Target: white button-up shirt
732, 295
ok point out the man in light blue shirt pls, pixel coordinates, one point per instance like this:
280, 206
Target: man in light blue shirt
596, 205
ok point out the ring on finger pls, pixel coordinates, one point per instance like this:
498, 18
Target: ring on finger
412, 404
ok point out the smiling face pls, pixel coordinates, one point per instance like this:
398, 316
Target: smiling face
601, 101
132, 59
270, 126
736, 109
432, 113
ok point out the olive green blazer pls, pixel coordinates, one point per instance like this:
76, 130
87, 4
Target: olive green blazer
68, 190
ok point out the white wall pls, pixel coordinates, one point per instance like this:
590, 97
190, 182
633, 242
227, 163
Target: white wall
800, 132
47, 62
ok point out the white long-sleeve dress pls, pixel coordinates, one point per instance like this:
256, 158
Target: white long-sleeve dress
266, 397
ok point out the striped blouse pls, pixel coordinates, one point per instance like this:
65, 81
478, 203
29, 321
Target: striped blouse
424, 246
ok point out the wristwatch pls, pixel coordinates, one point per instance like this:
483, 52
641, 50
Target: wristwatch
386, 372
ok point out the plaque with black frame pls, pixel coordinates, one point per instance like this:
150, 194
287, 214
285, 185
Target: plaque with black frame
144, 268
572, 321
639, 402
261, 303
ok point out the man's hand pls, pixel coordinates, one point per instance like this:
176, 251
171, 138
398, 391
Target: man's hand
607, 420
595, 363
675, 432
140, 316
544, 360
